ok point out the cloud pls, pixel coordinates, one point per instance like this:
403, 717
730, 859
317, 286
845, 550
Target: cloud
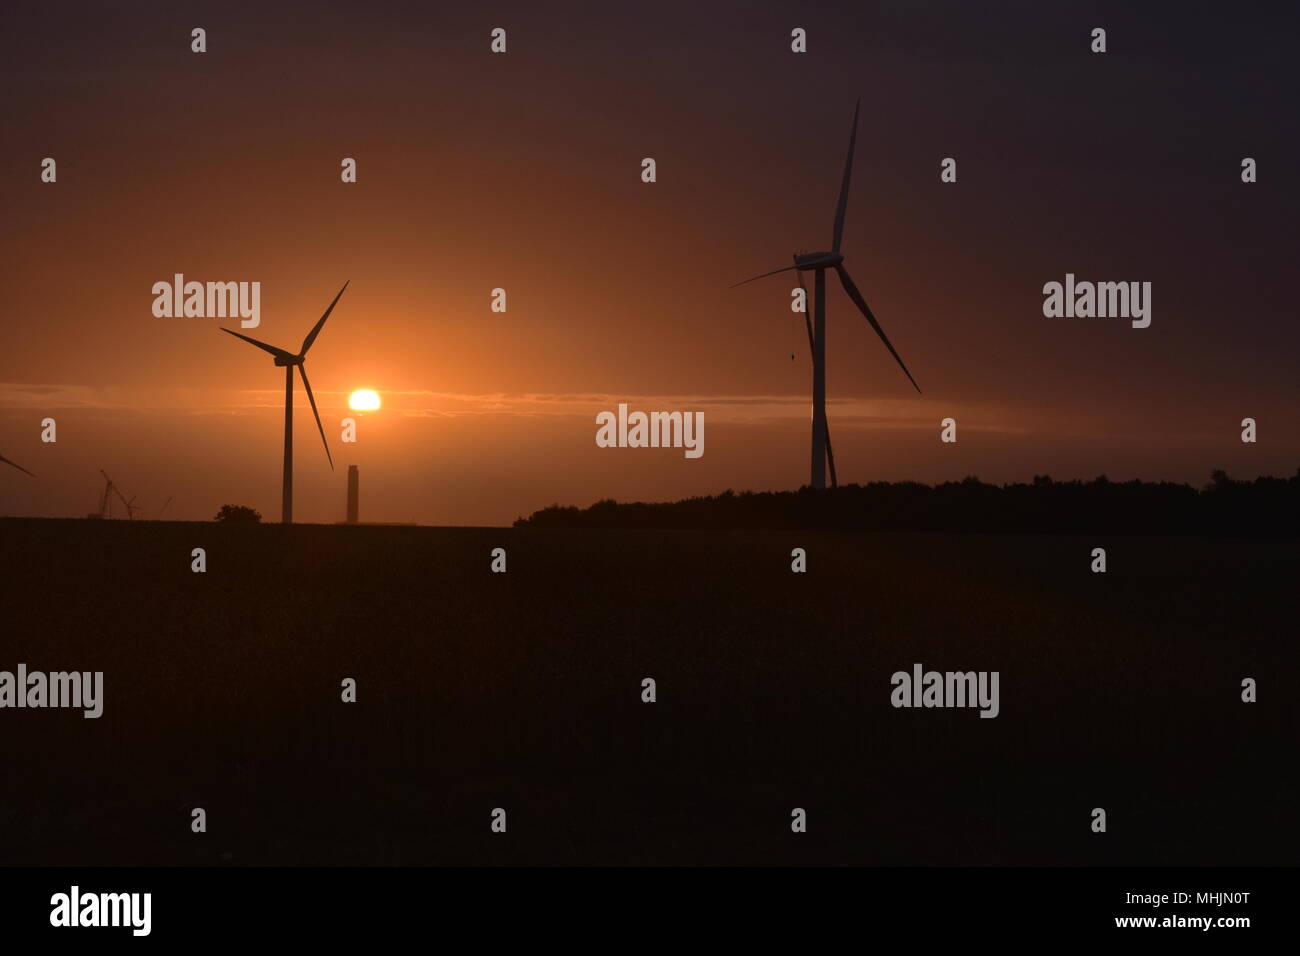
862, 413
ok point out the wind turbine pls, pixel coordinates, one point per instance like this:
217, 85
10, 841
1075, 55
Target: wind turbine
16, 465
818, 263
289, 361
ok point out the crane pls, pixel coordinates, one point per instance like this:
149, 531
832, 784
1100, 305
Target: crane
106, 500
131, 506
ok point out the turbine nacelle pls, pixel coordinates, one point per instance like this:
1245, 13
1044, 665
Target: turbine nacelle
286, 359
811, 261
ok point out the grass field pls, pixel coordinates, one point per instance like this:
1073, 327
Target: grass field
523, 691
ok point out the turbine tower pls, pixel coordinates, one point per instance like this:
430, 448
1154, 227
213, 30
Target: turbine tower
812, 354
817, 263
15, 465
289, 361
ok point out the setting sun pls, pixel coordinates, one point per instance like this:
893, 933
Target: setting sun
364, 400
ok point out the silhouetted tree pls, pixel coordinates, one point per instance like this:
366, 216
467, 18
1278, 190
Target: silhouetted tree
238, 514
1265, 506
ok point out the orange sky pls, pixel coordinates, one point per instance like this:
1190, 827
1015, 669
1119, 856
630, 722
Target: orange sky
522, 171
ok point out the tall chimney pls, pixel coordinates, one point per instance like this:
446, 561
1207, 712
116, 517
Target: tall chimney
353, 494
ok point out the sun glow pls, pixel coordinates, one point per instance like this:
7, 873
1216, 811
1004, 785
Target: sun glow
364, 400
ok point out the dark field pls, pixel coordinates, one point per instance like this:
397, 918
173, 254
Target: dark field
522, 690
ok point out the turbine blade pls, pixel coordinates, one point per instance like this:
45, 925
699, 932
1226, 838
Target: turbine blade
861, 303
261, 345
830, 457
763, 276
16, 465
311, 336
844, 186
312, 398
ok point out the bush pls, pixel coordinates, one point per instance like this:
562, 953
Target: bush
238, 514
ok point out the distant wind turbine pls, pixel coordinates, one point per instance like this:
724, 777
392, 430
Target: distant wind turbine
289, 361
818, 263
16, 465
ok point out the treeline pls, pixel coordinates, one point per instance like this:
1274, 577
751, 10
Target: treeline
1265, 506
